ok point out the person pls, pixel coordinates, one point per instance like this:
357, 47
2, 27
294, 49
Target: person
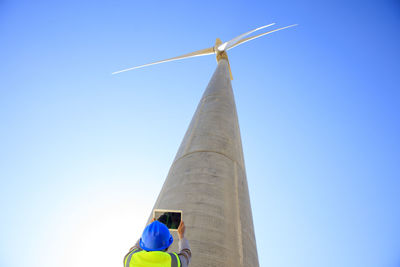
151, 249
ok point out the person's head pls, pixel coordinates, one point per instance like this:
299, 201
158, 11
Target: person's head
156, 237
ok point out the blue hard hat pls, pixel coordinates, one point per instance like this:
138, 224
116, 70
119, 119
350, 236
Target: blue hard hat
156, 236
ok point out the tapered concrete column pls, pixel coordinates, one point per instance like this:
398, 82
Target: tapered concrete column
207, 180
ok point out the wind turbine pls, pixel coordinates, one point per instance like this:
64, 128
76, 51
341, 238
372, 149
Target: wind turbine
219, 49
207, 179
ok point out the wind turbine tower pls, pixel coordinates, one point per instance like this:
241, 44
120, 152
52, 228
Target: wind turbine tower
207, 179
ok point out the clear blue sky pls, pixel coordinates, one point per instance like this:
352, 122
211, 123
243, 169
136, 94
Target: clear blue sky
83, 154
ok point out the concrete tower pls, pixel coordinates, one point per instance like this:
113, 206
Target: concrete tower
207, 181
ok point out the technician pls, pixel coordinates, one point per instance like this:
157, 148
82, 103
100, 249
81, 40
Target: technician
151, 249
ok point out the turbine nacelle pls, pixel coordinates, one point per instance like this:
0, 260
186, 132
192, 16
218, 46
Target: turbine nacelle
219, 49
218, 42
221, 54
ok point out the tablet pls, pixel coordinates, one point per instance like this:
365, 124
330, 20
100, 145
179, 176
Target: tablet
171, 218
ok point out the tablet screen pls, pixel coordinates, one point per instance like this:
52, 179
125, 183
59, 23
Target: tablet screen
170, 219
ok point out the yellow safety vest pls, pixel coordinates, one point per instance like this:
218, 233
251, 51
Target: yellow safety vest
142, 258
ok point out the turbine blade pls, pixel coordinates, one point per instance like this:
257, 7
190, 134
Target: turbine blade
228, 44
230, 71
259, 35
198, 53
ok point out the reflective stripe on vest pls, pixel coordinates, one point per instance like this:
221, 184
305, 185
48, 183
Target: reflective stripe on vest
175, 261
142, 258
129, 257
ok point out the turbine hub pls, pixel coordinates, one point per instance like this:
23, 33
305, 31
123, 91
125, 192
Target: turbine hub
221, 55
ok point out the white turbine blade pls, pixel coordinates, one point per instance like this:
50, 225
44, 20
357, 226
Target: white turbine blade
198, 53
259, 35
228, 44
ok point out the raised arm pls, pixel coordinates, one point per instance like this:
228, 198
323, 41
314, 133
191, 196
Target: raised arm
184, 249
